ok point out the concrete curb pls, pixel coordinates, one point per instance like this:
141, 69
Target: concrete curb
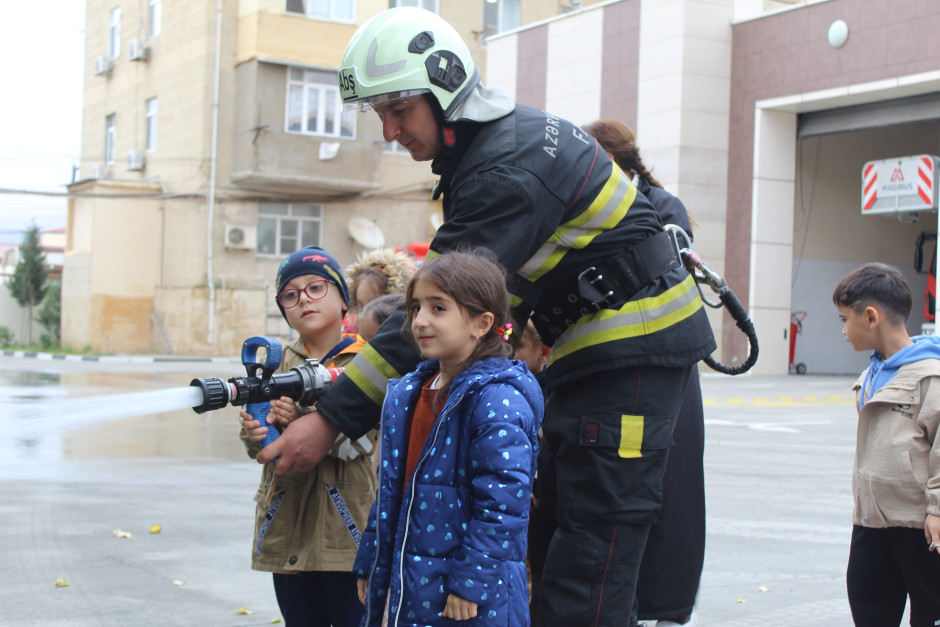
118, 358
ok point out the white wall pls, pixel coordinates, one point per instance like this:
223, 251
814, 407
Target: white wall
14, 317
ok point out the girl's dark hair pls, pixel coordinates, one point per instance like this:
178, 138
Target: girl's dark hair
477, 283
617, 138
382, 307
878, 285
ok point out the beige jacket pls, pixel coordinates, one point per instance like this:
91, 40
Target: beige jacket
896, 480
305, 531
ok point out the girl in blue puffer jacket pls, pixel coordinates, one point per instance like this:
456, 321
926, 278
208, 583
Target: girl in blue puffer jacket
446, 538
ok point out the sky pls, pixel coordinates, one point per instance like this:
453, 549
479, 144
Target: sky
42, 67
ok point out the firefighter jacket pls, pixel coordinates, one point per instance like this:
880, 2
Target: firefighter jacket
458, 523
552, 205
301, 519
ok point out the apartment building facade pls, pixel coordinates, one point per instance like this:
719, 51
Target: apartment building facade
214, 144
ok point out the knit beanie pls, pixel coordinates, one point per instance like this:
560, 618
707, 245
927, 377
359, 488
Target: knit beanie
310, 260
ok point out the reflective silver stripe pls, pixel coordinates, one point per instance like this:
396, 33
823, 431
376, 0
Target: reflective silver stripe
369, 377
375, 70
634, 319
374, 375
579, 232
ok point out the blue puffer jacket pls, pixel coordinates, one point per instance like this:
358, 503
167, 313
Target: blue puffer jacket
460, 524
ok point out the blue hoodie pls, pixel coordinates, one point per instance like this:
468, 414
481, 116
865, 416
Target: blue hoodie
881, 371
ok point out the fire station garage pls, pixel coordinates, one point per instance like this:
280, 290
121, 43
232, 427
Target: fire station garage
866, 190
816, 94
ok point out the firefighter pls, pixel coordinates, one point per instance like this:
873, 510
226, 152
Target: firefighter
586, 255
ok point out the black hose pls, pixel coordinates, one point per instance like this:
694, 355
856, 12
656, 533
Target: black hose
739, 314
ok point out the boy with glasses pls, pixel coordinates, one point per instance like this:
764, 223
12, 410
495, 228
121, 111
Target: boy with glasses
301, 534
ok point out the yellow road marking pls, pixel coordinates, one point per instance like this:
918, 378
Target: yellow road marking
781, 401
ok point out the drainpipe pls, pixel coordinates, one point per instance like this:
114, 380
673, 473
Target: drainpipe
212, 166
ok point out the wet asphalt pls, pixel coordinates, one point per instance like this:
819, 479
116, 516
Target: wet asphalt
80, 499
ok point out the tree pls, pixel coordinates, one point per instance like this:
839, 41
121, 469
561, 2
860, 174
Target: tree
50, 315
28, 283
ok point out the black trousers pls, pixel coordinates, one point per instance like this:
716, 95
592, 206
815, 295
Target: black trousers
885, 567
675, 550
318, 599
609, 435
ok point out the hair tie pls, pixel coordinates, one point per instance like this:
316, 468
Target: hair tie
504, 331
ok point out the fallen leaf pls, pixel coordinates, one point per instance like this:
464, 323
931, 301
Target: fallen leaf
740, 601
763, 589
178, 582
156, 529
122, 534
61, 583
276, 620
242, 610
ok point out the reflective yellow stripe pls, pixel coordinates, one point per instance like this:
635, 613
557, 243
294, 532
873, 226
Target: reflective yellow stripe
635, 318
606, 211
371, 373
631, 436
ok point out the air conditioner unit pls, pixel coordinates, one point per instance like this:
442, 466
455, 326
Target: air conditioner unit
241, 237
138, 50
96, 171
103, 65
135, 160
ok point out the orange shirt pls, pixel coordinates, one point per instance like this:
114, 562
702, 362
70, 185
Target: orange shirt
421, 422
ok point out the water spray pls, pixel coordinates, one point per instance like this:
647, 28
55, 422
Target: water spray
304, 384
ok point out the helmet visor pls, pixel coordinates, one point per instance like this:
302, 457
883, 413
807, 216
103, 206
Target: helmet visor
370, 102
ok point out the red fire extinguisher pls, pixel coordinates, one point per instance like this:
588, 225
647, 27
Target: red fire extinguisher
796, 326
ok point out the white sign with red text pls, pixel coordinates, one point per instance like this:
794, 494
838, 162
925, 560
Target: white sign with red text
900, 184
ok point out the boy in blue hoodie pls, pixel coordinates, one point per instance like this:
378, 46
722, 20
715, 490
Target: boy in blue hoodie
896, 479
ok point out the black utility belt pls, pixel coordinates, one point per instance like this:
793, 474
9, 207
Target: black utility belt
609, 284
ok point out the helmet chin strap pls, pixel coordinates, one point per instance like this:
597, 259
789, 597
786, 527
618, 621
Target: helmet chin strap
447, 129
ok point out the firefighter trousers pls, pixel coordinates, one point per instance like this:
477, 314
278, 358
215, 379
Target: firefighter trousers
608, 435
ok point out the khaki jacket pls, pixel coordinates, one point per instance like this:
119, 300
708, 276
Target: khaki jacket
305, 531
896, 480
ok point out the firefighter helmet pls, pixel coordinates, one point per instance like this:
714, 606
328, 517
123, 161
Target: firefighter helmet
403, 52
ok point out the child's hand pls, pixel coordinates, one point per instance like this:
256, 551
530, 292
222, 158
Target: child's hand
932, 531
459, 609
283, 411
255, 430
362, 586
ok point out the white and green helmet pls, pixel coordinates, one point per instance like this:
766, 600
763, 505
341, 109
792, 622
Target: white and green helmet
403, 52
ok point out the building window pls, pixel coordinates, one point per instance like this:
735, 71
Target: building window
284, 228
334, 10
154, 17
434, 6
500, 16
314, 106
151, 124
110, 132
114, 33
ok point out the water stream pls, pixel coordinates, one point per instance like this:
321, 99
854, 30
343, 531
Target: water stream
67, 413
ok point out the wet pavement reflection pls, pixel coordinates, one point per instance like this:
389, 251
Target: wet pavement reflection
31, 388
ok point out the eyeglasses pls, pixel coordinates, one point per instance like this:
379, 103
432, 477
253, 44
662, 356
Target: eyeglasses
315, 290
